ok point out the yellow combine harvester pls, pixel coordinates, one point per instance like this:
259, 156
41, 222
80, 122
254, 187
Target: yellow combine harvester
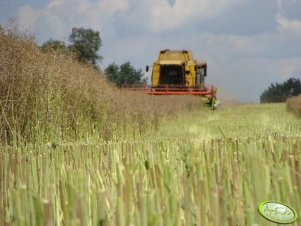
178, 68
178, 73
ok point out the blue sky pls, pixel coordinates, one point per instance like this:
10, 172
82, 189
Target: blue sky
247, 43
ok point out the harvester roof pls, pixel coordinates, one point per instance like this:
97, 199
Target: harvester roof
175, 57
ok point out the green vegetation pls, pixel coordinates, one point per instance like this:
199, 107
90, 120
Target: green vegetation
85, 44
280, 92
124, 74
55, 45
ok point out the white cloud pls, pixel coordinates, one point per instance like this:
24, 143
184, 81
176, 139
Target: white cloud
165, 15
59, 16
153, 15
285, 23
55, 3
27, 17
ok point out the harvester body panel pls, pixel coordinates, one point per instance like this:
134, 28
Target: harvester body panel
178, 69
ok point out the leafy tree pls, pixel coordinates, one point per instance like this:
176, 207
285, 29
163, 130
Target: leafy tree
124, 74
55, 45
279, 92
86, 43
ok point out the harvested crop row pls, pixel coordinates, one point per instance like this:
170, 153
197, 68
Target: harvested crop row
151, 182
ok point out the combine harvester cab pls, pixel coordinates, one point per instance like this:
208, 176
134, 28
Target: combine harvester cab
177, 73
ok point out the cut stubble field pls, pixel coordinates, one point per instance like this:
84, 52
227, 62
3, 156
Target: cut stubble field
197, 168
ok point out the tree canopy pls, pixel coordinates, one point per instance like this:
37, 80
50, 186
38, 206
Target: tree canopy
124, 74
54, 45
86, 43
280, 92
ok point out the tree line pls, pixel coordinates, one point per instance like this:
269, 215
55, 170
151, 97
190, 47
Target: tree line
279, 92
85, 45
